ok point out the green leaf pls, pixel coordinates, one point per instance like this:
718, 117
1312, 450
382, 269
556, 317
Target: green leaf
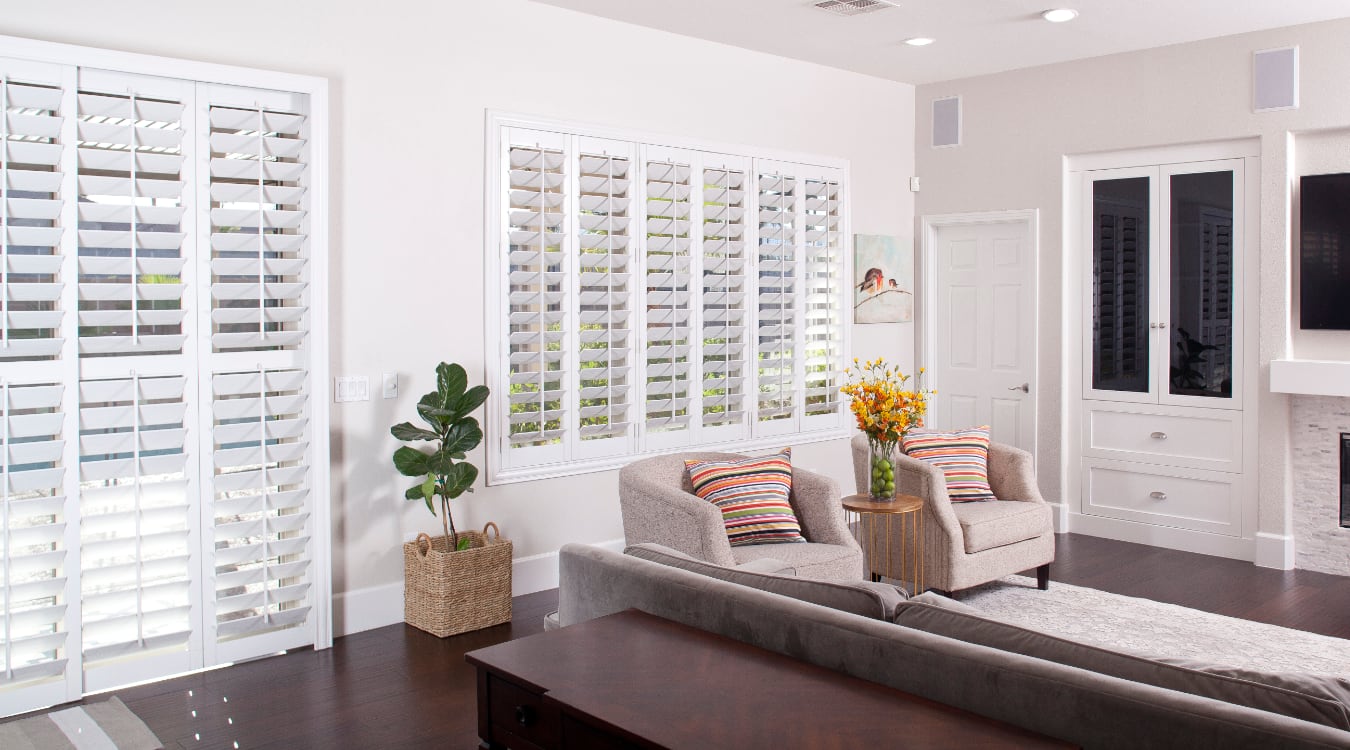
429, 488
451, 380
462, 437
407, 431
440, 463
460, 477
410, 462
472, 399
415, 493
429, 409
464, 543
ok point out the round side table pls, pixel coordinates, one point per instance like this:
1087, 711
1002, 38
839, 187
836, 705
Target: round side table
863, 510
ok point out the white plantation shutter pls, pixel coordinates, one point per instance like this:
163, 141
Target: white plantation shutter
670, 335
651, 297
777, 297
536, 189
160, 501
823, 351
725, 331
259, 510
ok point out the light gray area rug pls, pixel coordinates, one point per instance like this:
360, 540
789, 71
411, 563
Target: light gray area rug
109, 725
1155, 629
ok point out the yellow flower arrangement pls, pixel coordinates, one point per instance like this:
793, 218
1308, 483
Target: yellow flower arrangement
885, 410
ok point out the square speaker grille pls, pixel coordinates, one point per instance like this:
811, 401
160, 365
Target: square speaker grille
852, 7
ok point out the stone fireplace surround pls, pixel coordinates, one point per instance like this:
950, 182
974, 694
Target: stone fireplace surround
1316, 424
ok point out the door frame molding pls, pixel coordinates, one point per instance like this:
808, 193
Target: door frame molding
1030, 218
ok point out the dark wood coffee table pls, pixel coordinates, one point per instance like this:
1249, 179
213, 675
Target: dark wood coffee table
634, 680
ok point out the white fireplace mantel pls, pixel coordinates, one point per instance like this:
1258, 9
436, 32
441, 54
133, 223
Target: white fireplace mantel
1310, 377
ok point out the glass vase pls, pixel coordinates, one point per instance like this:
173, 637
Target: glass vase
881, 465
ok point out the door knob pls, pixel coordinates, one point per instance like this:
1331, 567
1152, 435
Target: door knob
1158, 495
1025, 388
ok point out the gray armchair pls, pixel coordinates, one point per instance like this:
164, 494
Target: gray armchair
658, 505
966, 544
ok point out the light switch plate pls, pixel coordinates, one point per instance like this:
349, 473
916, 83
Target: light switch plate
351, 388
391, 385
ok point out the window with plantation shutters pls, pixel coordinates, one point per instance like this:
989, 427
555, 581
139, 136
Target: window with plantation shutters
651, 295
162, 373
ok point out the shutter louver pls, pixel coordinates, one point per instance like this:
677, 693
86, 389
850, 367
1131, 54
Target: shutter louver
34, 515
137, 521
30, 218
777, 296
669, 340
725, 315
824, 312
604, 305
261, 507
259, 226
536, 184
131, 216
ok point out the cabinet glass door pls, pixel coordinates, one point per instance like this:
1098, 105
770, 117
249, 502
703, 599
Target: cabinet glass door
1120, 302
1200, 327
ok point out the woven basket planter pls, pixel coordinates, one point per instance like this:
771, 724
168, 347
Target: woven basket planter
446, 593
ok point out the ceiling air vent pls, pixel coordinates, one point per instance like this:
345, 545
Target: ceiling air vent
852, 7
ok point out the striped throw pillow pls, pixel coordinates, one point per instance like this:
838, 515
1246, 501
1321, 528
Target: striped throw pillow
753, 496
963, 457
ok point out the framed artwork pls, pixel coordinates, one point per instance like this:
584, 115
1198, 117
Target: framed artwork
884, 283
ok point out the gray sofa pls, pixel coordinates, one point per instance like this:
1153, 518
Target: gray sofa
846, 627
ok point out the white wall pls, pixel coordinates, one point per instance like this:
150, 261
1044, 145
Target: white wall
411, 82
1018, 126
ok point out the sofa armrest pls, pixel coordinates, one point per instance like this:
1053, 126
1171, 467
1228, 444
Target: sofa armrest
815, 498
654, 512
1012, 474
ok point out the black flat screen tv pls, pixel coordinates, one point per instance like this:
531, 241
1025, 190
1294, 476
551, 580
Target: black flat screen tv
1324, 252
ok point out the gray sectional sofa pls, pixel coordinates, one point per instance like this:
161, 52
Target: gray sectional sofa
943, 651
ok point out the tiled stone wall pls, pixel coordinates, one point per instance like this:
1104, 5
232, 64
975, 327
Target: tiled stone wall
1316, 424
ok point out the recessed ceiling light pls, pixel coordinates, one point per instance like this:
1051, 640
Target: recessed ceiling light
919, 41
1060, 15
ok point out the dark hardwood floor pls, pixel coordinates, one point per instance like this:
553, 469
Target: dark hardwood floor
397, 687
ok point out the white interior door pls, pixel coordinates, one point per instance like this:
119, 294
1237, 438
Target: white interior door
981, 323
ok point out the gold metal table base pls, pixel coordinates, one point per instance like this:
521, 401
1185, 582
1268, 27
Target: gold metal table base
909, 509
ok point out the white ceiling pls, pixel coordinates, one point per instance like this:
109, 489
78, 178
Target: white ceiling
974, 37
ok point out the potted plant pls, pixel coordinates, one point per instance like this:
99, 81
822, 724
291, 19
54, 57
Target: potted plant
462, 580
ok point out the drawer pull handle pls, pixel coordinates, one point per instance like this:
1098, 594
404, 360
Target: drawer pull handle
1159, 436
525, 715
1156, 495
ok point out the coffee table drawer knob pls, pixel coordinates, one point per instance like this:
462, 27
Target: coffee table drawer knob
525, 716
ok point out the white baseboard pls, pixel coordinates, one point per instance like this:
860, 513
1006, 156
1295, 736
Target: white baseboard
378, 606
1274, 551
1164, 536
1059, 515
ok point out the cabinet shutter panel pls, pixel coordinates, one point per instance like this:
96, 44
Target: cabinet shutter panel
604, 250
824, 308
536, 192
725, 283
36, 523
35, 107
777, 297
669, 342
131, 216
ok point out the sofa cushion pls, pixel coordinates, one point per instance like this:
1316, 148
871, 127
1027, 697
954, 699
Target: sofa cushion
875, 600
1319, 700
962, 455
752, 494
999, 522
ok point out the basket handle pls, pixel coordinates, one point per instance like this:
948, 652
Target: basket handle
497, 533
420, 552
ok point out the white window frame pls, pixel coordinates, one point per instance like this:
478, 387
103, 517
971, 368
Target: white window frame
799, 429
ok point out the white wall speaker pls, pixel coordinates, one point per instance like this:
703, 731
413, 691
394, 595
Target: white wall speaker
947, 122
1275, 79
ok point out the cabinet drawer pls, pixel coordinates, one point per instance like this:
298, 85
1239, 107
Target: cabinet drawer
519, 714
1200, 439
1197, 500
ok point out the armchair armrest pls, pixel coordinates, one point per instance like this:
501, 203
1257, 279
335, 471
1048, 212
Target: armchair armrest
815, 498
654, 512
1012, 474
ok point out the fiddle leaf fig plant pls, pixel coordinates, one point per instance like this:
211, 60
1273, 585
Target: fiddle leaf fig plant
451, 433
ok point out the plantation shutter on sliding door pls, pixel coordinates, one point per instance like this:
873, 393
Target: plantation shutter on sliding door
777, 298
823, 311
668, 244
725, 332
256, 373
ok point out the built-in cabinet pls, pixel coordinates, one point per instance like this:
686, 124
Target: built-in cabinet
1161, 409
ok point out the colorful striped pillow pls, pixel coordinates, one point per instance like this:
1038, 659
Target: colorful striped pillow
753, 496
963, 457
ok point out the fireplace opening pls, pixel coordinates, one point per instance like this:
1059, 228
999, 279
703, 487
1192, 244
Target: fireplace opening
1345, 480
